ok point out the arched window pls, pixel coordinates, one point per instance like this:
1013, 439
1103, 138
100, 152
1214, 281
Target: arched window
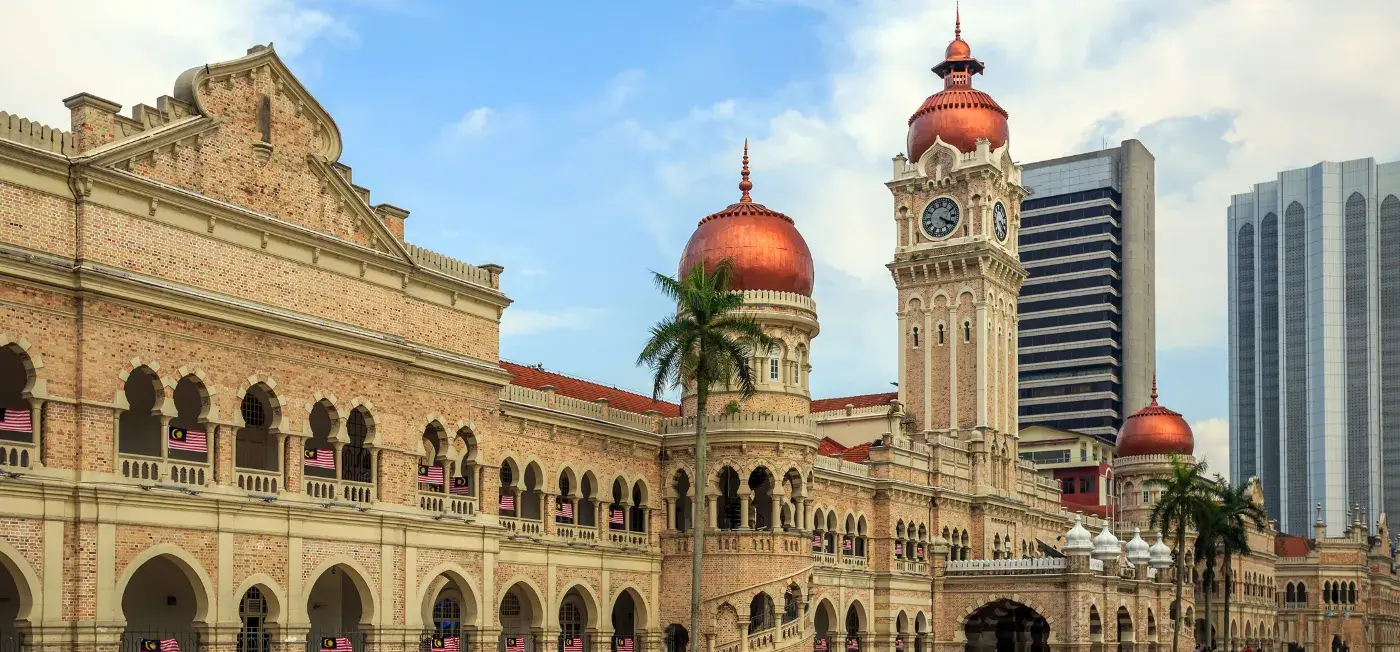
792, 603
320, 454
682, 507
507, 505
139, 425
916, 337
189, 436
729, 517
760, 613
15, 410
967, 331
637, 520
356, 461
940, 334
774, 364
564, 511
447, 617
255, 446
1351, 593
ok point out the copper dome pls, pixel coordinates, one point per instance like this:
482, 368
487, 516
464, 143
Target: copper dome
959, 114
1155, 430
766, 248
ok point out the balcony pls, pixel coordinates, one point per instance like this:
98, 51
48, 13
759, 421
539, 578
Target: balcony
824, 559
522, 526
626, 538
16, 454
257, 481
913, 566
339, 490
855, 562
1008, 566
158, 470
579, 533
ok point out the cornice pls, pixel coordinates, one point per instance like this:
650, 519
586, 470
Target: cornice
170, 135
595, 427
124, 286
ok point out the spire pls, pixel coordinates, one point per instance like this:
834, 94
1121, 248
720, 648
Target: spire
1154, 388
744, 184
957, 20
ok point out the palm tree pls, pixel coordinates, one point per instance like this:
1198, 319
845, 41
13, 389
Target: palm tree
1184, 492
1235, 512
705, 343
1209, 531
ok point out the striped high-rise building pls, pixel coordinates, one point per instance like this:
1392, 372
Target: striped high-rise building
1315, 340
1087, 326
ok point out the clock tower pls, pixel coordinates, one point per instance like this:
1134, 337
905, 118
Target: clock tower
957, 200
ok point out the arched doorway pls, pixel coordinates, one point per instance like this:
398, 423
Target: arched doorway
257, 616
337, 606
15, 603
1006, 626
1125, 630
161, 602
628, 621
823, 624
677, 638
855, 628
449, 610
577, 621
520, 615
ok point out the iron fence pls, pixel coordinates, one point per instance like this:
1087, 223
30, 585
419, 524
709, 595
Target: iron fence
11, 642
152, 640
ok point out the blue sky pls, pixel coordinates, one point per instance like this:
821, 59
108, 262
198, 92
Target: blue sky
577, 144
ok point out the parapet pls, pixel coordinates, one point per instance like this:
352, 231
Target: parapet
38, 136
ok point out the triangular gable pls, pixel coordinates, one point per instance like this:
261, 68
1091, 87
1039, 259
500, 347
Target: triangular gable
345, 192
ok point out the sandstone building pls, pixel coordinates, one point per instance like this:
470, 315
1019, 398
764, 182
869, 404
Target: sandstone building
242, 412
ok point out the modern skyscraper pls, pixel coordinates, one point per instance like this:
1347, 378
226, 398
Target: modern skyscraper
1315, 340
1087, 312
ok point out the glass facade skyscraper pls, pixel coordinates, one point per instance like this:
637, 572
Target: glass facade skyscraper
1314, 265
1086, 313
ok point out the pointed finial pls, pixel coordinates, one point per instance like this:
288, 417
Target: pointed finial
957, 20
744, 184
1319, 512
1154, 388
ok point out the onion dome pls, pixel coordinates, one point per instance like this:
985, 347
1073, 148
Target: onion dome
1155, 430
1077, 540
766, 248
1106, 546
959, 114
1161, 558
1137, 550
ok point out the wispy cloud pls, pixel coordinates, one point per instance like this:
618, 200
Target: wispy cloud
518, 321
474, 122
1213, 444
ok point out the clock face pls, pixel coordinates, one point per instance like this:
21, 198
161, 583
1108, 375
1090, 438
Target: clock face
999, 221
940, 217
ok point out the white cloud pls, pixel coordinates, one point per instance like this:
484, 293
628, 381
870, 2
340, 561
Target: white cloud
96, 51
1213, 444
474, 123
518, 321
621, 88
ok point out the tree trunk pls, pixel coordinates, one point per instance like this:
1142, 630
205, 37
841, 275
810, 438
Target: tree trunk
1229, 634
702, 395
1208, 583
1180, 575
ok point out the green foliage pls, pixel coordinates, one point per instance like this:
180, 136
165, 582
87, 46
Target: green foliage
731, 407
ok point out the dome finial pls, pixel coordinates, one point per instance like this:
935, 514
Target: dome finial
957, 20
744, 184
1154, 388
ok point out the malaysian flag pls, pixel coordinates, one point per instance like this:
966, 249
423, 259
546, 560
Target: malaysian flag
573, 644
515, 644
623, 644
461, 486
430, 475
919, 551
15, 420
507, 503
160, 645
817, 542
336, 643
184, 439
899, 644
852, 644
565, 510
820, 645
445, 644
847, 545
616, 517
321, 458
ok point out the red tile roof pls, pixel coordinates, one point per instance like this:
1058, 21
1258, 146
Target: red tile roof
535, 378
1290, 546
829, 447
864, 400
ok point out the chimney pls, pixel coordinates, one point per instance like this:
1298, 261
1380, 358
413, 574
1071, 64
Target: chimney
94, 120
393, 217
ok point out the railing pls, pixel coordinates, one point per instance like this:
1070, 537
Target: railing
840, 466
729, 647
11, 642
1037, 565
585, 533
761, 421
258, 481
522, 525
824, 558
912, 566
589, 409
140, 467
316, 641
339, 490
853, 561
186, 473
16, 454
791, 629
461, 505
132, 640
763, 639
625, 538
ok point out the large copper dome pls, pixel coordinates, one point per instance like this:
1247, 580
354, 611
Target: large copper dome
766, 248
1155, 430
959, 114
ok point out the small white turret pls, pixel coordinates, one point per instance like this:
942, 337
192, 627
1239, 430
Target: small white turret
1138, 552
1161, 558
1078, 541
1106, 546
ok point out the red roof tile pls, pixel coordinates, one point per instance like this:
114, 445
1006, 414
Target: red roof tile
829, 447
1290, 546
859, 453
864, 400
535, 378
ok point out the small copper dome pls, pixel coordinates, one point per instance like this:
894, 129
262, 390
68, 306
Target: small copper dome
958, 114
1155, 430
767, 250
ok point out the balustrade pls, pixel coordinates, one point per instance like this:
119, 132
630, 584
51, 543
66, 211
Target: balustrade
339, 490
854, 562
16, 455
763, 639
824, 558
624, 538
912, 566
258, 482
1037, 565
576, 533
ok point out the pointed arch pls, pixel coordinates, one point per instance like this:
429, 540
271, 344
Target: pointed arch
359, 577
26, 582
272, 592
193, 571
443, 575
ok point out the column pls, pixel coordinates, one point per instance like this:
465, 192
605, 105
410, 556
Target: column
979, 331
775, 521
626, 506
164, 447
671, 514
903, 348
601, 521
36, 430
711, 514
928, 368
954, 333
805, 514
745, 497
